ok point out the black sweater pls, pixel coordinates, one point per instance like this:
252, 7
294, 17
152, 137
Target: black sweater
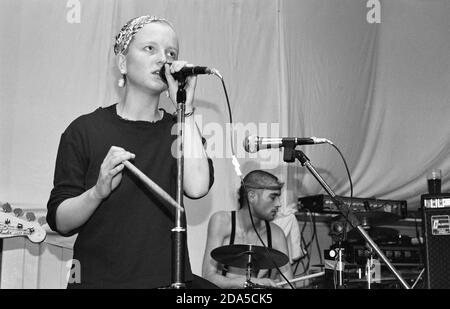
126, 243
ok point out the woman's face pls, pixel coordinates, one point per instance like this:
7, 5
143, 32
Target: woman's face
155, 44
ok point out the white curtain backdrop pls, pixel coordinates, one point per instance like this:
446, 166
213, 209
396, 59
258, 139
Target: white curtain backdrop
380, 92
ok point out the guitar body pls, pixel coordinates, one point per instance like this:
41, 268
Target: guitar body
12, 226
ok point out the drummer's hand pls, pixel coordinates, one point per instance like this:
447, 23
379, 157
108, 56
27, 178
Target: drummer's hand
265, 281
111, 171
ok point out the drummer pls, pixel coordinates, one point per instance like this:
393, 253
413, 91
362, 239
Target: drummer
261, 194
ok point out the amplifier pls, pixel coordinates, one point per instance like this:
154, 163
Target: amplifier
436, 201
323, 204
436, 229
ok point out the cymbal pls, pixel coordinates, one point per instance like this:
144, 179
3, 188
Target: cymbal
240, 255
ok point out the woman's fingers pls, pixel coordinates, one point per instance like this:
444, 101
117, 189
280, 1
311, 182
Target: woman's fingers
116, 170
178, 65
120, 157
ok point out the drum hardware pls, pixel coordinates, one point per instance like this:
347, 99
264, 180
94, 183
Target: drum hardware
340, 269
372, 269
343, 239
361, 266
335, 261
418, 278
249, 257
338, 265
338, 232
290, 155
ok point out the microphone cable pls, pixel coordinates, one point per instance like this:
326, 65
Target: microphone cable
344, 214
346, 169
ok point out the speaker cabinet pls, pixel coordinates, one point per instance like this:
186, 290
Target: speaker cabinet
436, 230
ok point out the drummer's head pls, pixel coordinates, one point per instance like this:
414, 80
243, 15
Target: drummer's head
262, 192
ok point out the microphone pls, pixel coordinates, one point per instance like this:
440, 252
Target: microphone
185, 72
254, 143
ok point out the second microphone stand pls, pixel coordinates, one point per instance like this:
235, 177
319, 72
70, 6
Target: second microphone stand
290, 154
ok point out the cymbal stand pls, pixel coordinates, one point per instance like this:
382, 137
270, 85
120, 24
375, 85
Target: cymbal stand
290, 154
372, 272
339, 235
369, 268
340, 266
248, 284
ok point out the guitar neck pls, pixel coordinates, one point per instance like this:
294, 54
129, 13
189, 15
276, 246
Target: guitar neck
11, 226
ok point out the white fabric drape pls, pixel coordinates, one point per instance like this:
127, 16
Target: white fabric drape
380, 92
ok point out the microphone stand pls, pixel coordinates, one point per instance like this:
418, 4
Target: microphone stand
179, 231
290, 154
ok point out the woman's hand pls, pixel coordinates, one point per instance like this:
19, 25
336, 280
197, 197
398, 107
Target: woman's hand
191, 82
111, 171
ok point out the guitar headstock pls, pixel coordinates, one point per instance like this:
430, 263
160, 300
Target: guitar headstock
12, 225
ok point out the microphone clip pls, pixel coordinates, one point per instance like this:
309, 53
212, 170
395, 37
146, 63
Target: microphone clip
289, 151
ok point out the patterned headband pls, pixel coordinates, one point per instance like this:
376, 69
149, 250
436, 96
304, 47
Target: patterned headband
264, 187
130, 29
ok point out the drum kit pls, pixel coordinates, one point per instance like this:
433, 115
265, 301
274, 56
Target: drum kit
252, 258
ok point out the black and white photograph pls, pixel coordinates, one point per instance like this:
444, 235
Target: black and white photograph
226, 150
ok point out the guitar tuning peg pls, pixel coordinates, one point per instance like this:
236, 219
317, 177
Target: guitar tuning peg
6, 207
30, 216
42, 220
18, 212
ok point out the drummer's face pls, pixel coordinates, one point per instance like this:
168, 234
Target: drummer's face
268, 204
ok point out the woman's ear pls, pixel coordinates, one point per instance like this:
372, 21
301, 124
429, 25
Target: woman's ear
122, 63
